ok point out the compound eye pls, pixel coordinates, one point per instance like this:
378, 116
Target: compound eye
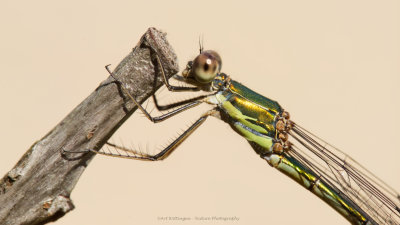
206, 66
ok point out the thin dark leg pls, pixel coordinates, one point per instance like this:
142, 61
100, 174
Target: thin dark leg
159, 118
171, 87
176, 104
172, 113
132, 154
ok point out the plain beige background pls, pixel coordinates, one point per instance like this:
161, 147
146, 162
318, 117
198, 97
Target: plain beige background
334, 65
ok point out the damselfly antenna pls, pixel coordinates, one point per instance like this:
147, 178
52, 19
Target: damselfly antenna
201, 44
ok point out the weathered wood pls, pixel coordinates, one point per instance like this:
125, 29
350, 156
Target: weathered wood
37, 189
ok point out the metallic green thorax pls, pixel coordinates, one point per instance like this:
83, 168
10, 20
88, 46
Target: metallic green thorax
250, 114
255, 117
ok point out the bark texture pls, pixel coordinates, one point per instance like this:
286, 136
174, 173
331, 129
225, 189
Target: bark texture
37, 190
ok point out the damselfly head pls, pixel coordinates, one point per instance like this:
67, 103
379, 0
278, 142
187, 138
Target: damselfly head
204, 67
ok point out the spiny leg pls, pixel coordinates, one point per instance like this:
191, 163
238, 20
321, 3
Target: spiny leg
159, 118
132, 154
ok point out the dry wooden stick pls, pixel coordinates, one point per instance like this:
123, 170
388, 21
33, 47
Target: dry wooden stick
37, 189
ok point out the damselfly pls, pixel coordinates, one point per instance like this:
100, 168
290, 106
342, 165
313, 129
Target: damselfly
332, 175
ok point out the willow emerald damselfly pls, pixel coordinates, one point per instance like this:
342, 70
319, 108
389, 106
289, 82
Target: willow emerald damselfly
332, 175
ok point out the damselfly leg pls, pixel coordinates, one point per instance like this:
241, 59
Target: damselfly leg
166, 82
123, 152
176, 104
187, 104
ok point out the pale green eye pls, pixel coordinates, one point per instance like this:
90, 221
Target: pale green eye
206, 66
